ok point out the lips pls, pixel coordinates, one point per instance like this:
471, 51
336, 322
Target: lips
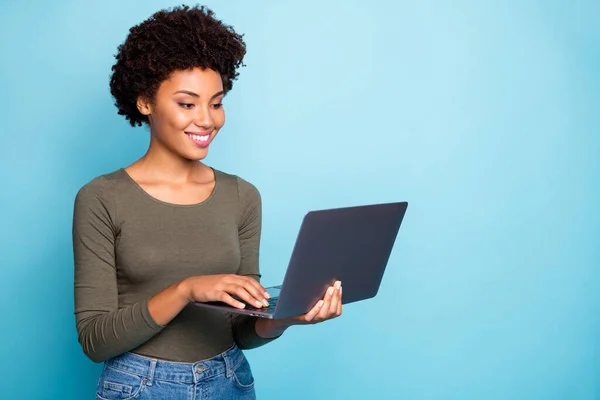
200, 139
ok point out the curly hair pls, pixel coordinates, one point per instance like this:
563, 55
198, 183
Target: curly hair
180, 38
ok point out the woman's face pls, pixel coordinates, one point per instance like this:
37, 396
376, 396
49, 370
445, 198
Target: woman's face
187, 112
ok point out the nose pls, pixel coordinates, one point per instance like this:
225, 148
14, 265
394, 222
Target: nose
203, 119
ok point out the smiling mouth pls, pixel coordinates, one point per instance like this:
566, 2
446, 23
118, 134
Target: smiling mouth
200, 139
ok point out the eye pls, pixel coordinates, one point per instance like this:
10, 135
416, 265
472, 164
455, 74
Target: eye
217, 106
186, 106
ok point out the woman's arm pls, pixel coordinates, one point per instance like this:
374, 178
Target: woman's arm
246, 328
103, 329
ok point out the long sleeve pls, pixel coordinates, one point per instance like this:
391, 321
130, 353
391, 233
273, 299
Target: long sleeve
104, 330
250, 226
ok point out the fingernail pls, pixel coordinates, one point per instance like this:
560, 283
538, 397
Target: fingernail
241, 305
320, 303
330, 291
266, 303
258, 303
267, 295
338, 284
340, 290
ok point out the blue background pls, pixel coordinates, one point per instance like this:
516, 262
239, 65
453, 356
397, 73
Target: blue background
484, 116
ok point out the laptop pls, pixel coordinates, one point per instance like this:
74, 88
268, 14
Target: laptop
350, 244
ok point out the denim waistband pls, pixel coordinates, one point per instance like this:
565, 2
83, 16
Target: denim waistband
155, 369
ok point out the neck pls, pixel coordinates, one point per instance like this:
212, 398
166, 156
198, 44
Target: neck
162, 164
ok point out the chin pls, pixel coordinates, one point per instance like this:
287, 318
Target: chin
197, 155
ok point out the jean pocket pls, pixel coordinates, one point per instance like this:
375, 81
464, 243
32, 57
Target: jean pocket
242, 375
115, 384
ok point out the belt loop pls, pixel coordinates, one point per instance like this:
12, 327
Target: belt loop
151, 372
228, 364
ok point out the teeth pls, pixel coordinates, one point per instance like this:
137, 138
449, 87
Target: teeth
200, 138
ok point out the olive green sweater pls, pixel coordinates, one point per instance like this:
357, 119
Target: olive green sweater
128, 246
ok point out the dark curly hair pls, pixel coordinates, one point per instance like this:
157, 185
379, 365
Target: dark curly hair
180, 38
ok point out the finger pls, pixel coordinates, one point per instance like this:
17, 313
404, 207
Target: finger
260, 288
242, 293
339, 310
335, 299
252, 287
226, 298
326, 303
309, 316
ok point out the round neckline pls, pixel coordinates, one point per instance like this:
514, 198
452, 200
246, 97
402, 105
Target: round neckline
166, 203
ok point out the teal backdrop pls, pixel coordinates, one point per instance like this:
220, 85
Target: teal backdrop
483, 115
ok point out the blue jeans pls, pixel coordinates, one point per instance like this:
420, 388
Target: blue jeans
226, 376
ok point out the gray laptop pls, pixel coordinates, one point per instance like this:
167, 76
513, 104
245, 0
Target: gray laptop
351, 244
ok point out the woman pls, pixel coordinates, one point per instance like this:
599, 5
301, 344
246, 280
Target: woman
167, 231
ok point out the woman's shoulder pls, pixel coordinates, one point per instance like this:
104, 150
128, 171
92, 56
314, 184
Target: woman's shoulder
244, 188
101, 186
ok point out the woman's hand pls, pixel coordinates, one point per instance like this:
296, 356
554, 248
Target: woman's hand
222, 287
328, 308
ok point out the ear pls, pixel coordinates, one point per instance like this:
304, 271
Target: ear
144, 106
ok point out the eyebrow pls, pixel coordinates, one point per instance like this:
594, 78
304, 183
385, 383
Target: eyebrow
197, 95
